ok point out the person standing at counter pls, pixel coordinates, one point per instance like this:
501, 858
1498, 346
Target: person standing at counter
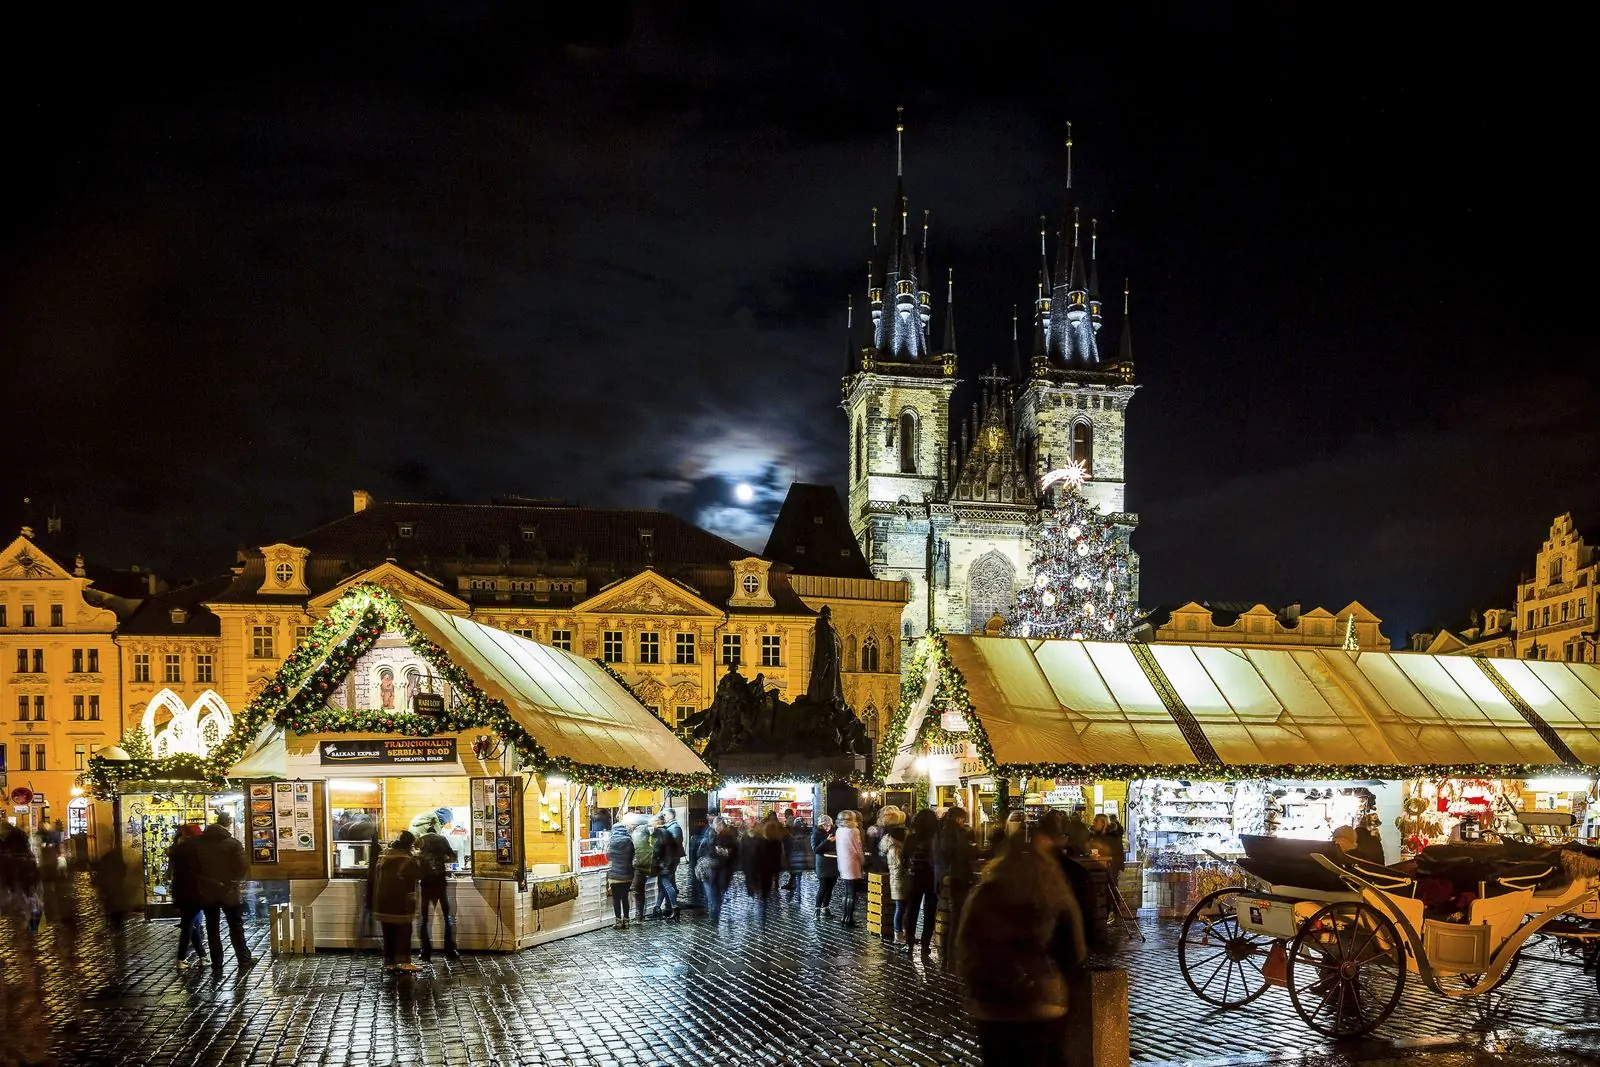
394, 901
619, 874
434, 857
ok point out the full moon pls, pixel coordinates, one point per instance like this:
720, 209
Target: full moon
743, 493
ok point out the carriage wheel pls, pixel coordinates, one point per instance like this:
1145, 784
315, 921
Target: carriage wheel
1220, 960
1346, 969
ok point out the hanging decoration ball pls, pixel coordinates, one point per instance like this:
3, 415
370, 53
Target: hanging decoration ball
1080, 582
1048, 599
1083, 549
1074, 531
1040, 581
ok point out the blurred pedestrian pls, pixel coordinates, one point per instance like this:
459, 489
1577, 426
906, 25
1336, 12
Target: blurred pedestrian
891, 847
1020, 940
692, 838
825, 847
645, 867
183, 885
767, 848
795, 843
110, 873
851, 860
619, 873
669, 853
434, 857
718, 855
223, 867
55, 878
953, 872
19, 879
394, 901
921, 889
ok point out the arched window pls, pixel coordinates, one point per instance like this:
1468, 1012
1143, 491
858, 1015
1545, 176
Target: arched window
990, 590
869, 653
1083, 445
908, 442
861, 450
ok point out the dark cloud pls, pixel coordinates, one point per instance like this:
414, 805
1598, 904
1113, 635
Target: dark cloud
601, 253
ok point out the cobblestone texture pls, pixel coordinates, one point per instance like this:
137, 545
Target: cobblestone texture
681, 992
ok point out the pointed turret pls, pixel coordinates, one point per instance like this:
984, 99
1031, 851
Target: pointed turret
950, 312
903, 307
852, 358
1094, 272
1016, 348
1125, 346
1071, 323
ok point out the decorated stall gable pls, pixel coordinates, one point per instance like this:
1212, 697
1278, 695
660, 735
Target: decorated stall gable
303, 696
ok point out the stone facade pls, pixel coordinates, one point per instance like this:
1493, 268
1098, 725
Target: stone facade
1556, 607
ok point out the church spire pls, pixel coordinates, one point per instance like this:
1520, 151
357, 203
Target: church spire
1094, 272
1016, 347
852, 358
950, 312
1125, 348
901, 306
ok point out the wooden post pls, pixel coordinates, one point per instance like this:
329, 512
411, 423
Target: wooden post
1097, 1018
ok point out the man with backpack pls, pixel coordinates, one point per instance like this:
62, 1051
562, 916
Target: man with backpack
669, 851
645, 865
435, 855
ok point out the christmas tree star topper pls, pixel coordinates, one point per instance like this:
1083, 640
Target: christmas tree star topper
1073, 474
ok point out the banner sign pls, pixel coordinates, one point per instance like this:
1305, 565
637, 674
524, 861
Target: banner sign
367, 750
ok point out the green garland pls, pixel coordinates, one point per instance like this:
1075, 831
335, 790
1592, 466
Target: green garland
855, 779
295, 699
952, 691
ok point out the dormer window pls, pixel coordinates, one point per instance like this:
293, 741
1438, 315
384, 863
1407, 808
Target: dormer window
530, 533
406, 529
647, 538
283, 573
284, 570
751, 585
179, 616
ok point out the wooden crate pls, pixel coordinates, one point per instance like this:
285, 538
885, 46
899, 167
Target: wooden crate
880, 908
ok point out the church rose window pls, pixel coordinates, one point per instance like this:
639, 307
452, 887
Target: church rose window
990, 590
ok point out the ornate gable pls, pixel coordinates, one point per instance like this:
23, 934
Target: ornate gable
646, 593
23, 559
408, 585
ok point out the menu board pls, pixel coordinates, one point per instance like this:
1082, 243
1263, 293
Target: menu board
497, 827
283, 837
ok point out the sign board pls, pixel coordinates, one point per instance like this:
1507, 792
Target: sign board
22, 796
497, 828
286, 829
362, 751
428, 704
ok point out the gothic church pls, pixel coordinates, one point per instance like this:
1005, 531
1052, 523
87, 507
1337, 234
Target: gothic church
941, 499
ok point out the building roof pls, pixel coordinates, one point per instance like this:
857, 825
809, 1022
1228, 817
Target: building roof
154, 616
812, 535
1092, 703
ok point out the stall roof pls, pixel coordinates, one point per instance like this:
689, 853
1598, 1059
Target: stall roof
1190, 708
570, 705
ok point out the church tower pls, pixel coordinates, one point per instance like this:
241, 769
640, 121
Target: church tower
896, 396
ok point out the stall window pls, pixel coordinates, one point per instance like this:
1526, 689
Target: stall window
356, 808
684, 648
730, 648
649, 647
612, 652
771, 645
561, 639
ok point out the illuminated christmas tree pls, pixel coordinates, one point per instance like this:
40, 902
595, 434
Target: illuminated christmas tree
1078, 586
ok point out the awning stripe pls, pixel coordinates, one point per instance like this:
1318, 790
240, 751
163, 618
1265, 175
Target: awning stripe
1188, 725
1546, 732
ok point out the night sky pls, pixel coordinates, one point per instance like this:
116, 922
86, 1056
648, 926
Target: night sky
603, 255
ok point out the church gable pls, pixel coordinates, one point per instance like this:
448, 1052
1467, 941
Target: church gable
395, 579
646, 593
22, 559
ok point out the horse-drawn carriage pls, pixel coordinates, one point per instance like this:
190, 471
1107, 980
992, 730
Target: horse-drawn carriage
1343, 934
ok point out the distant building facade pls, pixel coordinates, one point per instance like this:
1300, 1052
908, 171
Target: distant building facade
1556, 607
1249, 625
1493, 634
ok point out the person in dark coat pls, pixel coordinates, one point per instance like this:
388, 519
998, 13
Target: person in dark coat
767, 847
619, 872
691, 845
1019, 942
222, 868
953, 872
794, 852
394, 901
668, 834
922, 890
183, 883
714, 864
825, 846
19, 878
434, 857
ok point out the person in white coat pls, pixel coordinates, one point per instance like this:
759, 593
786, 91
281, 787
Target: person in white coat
852, 871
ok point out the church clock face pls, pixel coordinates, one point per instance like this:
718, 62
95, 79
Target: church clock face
751, 584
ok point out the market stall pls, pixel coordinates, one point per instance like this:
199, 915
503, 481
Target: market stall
391, 713
1218, 742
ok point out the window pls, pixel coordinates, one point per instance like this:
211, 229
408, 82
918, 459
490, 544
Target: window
94, 661
650, 647
22, 661
1083, 445
751, 584
770, 647
284, 573
261, 642
861, 449
38, 710
869, 653
22, 709
27, 614
94, 707
23, 754
1544, 616
38, 757
141, 666
1530, 618
301, 633
56, 618
682, 712
1568, 652
38, 661
2, 615
79, 755
612, 652
77, 661
77, 707
1566, 608
561, 639
1583, 607
730, 648
683, 648
171, 668
908, 442
204, 669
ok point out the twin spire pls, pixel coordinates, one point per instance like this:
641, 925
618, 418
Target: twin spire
1067, 309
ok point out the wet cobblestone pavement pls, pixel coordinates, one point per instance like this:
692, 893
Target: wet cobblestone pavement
681, 992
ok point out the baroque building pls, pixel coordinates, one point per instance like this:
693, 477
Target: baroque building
667, 605
941, 499
1556, 607
1250, 625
